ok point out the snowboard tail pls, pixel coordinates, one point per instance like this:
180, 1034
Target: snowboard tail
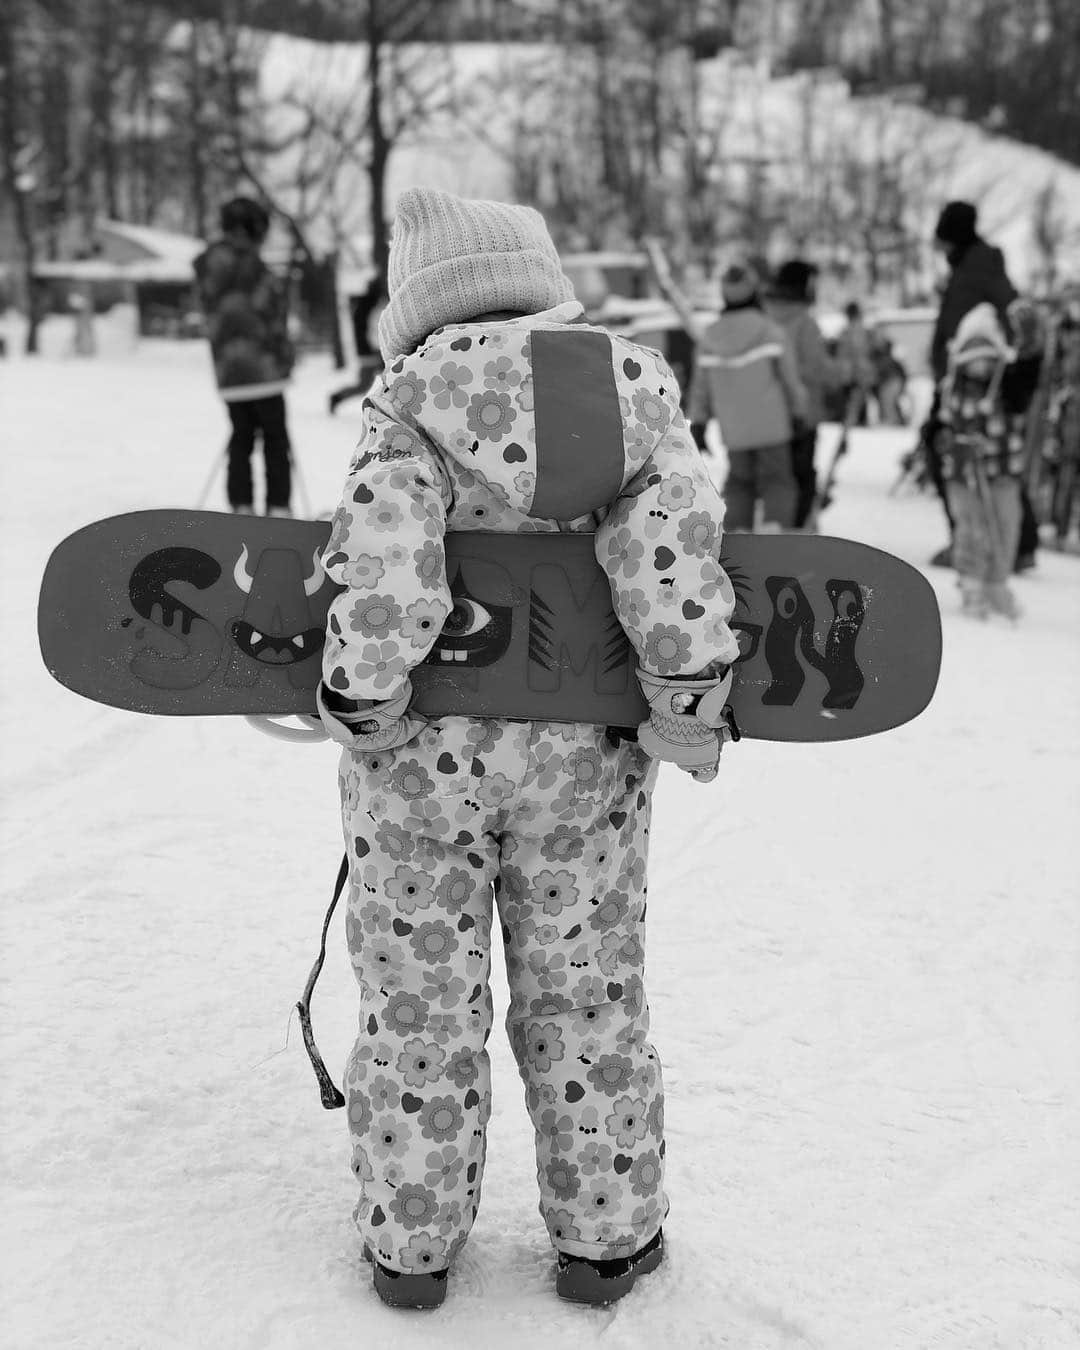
198, 612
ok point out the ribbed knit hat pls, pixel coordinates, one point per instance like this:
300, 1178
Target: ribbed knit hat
738, 284
453, 259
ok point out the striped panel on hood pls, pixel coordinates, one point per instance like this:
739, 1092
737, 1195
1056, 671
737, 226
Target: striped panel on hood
536, 411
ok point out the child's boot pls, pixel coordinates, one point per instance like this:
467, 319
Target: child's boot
1002, 601
400, 1290
602, 1282
973, 600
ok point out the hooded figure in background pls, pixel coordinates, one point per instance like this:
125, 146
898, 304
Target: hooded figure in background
981, 446
500, 408
247, 324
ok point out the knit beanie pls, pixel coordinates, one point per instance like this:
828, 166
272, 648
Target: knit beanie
956, 224
738, 284
452, 260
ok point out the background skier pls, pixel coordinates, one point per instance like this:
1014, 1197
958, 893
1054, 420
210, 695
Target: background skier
789, 301
491, 376
247, 323
745, 377
980, 446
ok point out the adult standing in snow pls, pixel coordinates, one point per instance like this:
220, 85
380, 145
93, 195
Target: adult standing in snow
977, 276
789, 301
745, 377
499, 408
247, 324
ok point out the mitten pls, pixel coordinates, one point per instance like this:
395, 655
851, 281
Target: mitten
687, 725
365, 724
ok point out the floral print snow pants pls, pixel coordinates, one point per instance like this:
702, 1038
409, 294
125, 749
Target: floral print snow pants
553, 819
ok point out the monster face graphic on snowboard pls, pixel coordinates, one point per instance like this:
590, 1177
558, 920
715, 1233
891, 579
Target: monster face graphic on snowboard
273, 626
477, 630
189, 612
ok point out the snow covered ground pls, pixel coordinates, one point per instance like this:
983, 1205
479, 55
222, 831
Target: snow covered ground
863, 976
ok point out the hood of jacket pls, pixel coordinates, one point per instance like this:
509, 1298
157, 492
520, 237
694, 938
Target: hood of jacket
553, 415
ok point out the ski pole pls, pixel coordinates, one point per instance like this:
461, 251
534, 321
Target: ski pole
215, 470
851, 414
301, 486
982, 488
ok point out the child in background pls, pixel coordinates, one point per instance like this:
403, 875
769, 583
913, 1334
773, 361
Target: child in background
247, 324
499, 408
982, 455
745, 377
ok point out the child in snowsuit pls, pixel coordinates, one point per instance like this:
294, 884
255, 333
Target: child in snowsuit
981, 447
247, 324
745, 377
476, 424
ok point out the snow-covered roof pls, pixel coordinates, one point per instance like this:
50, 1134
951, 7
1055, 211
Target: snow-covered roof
160, 245
146, 253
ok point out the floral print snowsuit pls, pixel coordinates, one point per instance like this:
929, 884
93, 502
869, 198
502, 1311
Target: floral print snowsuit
551, 819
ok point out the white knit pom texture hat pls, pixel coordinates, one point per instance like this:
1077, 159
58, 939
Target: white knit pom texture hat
452, 259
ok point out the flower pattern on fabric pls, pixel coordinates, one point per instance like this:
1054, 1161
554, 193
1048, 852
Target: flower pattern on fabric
450, 443
419, 930
547, 822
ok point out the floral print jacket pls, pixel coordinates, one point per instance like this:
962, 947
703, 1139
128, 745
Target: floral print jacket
534, 423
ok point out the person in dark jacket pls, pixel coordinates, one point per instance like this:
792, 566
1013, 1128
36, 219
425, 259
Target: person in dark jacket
789, 302
247, 324
976, 276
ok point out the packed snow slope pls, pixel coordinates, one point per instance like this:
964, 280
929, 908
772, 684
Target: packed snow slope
862, 973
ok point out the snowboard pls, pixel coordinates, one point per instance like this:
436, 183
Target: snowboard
200, 612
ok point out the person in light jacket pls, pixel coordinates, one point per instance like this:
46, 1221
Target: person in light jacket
745, 377
789, 301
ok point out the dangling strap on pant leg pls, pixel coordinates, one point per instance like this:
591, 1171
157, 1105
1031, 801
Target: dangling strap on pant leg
328, 1089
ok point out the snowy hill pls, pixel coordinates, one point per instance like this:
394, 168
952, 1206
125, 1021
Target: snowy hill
862, 972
